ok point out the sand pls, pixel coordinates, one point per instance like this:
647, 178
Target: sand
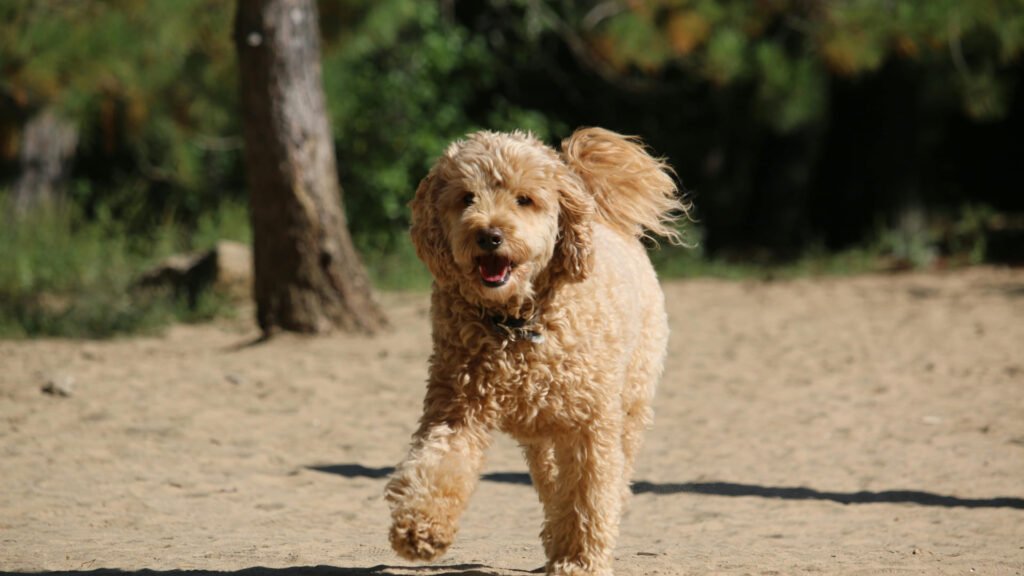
867, 425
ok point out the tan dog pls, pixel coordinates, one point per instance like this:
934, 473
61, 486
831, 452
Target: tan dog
548, 324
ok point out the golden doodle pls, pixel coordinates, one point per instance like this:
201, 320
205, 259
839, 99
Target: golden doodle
548, 324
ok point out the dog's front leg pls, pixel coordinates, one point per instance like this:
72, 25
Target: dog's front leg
429, 490
582, 522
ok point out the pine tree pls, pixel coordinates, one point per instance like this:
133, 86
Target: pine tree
308, 276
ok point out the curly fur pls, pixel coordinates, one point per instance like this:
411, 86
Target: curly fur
576, 393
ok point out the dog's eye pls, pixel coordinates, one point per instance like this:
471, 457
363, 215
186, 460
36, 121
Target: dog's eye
468, 199
524, 201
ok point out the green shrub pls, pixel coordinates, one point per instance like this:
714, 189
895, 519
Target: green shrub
66, 275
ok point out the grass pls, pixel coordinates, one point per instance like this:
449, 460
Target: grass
397, 269
68, 276
958, 239
682, 262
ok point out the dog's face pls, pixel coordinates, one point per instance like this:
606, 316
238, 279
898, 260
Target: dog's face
497, 213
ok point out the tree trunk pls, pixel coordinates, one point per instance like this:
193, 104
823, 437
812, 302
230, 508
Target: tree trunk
307, 274
47, 149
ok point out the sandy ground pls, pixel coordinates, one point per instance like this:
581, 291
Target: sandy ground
872, 425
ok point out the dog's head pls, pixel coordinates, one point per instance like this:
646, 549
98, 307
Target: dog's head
499, 216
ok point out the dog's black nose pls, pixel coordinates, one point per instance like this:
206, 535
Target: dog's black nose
489, 238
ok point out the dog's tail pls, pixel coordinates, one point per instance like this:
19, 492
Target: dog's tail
635, 192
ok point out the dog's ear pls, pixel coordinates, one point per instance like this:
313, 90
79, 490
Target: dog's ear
428, 235
573, 258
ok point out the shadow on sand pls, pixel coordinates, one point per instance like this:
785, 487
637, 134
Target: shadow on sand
380, 570
733, 489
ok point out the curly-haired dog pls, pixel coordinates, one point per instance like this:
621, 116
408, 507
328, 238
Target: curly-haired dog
548, 324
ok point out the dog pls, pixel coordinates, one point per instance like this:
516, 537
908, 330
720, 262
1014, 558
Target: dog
548, 324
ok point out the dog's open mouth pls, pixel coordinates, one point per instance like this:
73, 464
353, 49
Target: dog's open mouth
494, 270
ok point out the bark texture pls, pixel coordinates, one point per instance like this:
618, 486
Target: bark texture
307, 275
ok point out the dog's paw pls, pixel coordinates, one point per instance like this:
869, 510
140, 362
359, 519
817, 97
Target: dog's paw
416, 537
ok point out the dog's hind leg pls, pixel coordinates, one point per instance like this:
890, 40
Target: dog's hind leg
636, 419
637, 413
642, 378
430, 489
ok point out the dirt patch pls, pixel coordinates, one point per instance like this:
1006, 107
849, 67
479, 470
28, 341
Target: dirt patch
872, 425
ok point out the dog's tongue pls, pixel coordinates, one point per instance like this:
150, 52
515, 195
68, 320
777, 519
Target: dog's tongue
493, 269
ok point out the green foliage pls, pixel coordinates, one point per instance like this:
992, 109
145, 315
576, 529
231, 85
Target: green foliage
791, 93
726, 56
676, 262
637, 42
230, 221
151, 86
788, 50
402, 83
967, 235
953, 239
66, 275
398, 268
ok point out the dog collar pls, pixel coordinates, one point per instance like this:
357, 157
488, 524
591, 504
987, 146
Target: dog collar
514, 328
